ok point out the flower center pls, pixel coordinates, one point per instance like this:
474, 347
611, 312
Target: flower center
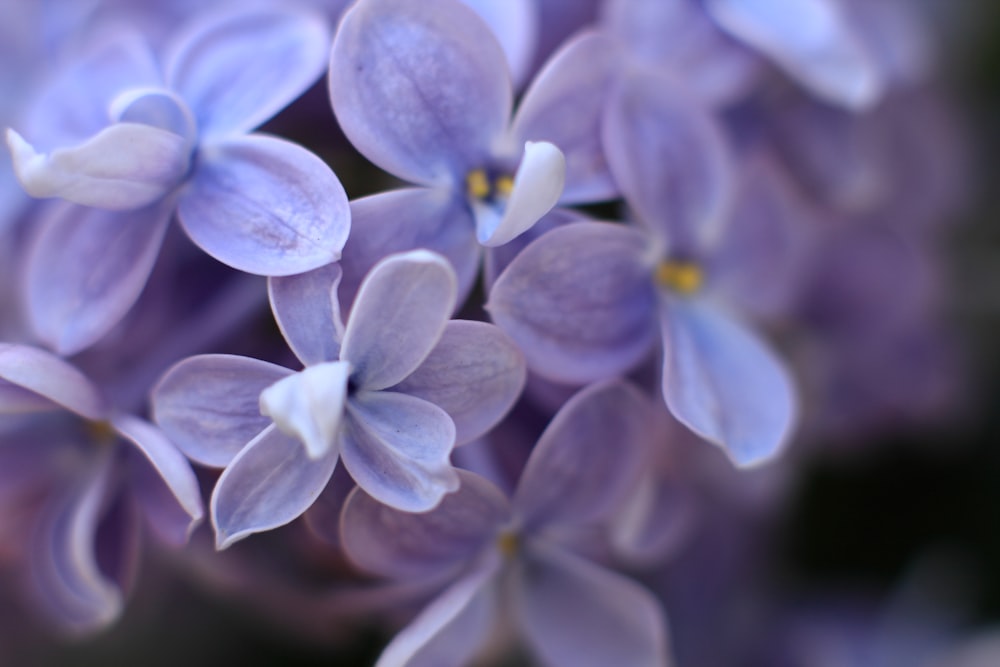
681, 276
508, 543
100, 432
484, 187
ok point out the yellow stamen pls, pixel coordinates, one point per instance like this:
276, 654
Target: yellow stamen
508, 543
680, 276
503, 186
477, 185
101, 432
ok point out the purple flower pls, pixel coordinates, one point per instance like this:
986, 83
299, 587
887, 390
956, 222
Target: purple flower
177, 140
390, 393
519, 559
97, 471
588, 300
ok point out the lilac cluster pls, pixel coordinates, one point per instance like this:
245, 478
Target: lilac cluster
676, 237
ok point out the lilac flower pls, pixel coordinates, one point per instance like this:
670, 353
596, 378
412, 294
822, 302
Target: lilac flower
422, 90
492, 558
96, 470
587, 300
390, 393
177, 140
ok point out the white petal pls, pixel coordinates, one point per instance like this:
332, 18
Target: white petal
309, 405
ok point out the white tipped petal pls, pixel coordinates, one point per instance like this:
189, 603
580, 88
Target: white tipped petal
309, 405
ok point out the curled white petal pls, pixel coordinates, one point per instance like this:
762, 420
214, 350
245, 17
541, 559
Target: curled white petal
309, 405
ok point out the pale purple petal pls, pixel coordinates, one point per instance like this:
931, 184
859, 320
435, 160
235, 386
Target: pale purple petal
497, 259
538, 184
309, 405
269, 484
170, 465
811, 40
396, 448
450, 630
420, 89
16, 400
475, 373
45, 374
85, 269
579, 302
515, 25
265, 205
238, 68
572, 612
307, 311
564, 105
724, 383
123, 167
404, 545
407, 219
397, 318
64, 563
589, 458
209, 405
670, 160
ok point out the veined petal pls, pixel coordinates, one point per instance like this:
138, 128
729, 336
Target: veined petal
404, 545
721, 381
86, 267
265, 205
271, 482
589, 457
397, 318
811, 41
538, 184
564, 106
475, 373
124, 166
307, 310
670, 160
49, 376
396, 448
420, 89
209, 405
309, 405
573, 612
450, 630
237, 68
407, 219
579, 302
171, 466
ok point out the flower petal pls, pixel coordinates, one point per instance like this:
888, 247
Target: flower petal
271, 482
724, 383
589, 458
538, 184
670, 160
209, 405
404, 545
397, 318
307, 311
579, 302
309, 405
515, 25
124, 166
171, 466
452, 628
408, 219
265, 205
420, 89
86, 268
49, 376
564, 106
237, 68
575, 613
811, 41
475, 373
396, 448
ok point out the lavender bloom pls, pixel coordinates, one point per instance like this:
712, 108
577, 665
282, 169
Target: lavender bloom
587, 300
177, 141
390, 392
94, 467
421, 90
492, 557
